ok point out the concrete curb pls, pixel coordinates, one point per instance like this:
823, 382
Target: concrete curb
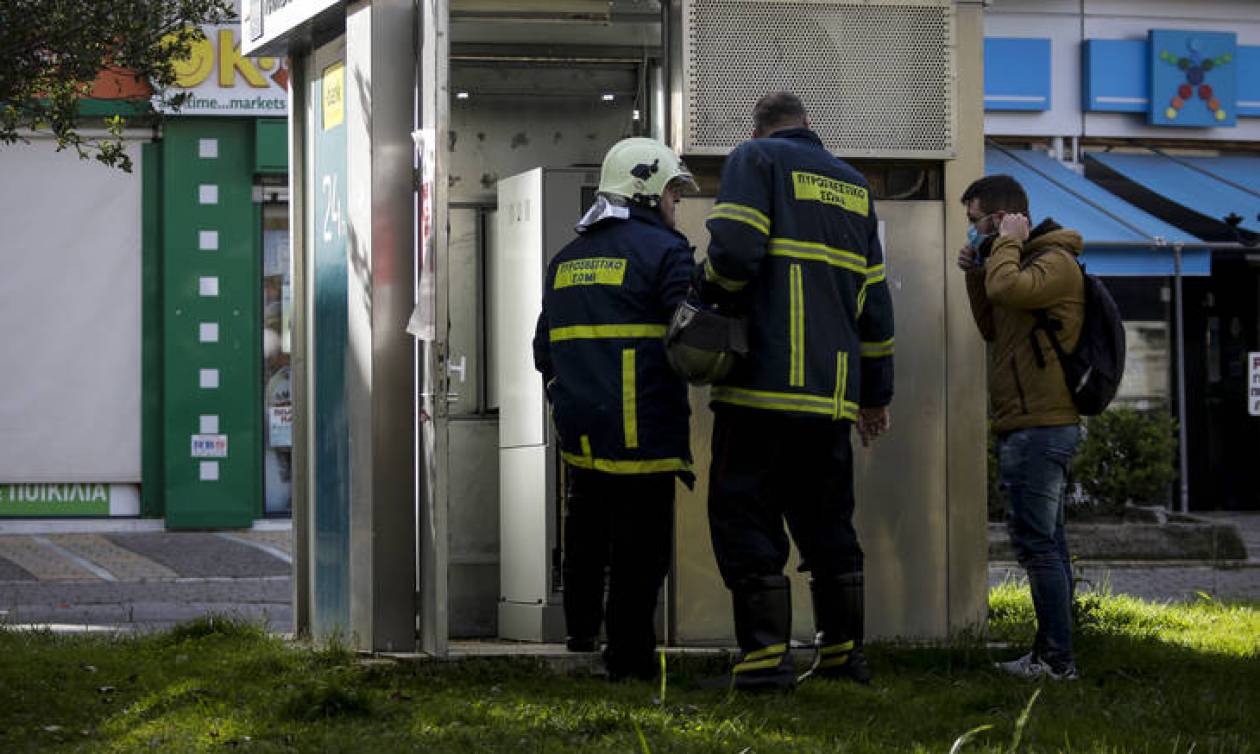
1200, 541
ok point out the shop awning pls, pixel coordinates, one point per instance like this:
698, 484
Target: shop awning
1120, 239
1242, 172
1201, 195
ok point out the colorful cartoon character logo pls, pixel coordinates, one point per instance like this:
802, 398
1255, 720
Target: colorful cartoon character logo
1197, 66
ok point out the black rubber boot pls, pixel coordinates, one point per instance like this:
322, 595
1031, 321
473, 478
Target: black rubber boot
582, 644
839, 618
763, 626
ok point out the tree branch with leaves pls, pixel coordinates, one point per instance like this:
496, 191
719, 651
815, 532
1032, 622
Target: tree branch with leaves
53, 53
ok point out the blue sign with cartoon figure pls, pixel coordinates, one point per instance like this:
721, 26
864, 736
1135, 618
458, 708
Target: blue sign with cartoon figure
1193, 78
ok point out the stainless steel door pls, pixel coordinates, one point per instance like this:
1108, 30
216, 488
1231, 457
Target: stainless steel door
901, 481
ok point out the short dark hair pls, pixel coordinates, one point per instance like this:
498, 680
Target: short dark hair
778, 110
998, 193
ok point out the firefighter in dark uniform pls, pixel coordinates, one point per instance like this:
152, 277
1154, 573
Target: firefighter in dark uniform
795, 250
620, 413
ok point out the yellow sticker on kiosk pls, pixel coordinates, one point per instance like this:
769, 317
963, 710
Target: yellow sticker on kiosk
334, 95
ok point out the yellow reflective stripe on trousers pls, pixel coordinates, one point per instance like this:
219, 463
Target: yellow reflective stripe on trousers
715, 277
773, 649
611, 466
874, 275
764, 399
745, 667
741, 213
834, 662
796, 327
761, 659
817, 252
876, 350
584, 332
833, 649
629, 399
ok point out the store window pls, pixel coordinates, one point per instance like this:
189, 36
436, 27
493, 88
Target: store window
277, 308
1147, 366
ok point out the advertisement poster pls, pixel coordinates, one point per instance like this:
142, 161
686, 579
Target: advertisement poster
1253, 383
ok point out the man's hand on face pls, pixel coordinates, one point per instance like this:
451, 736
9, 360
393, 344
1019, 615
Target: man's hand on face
873, 422
967, 256
1015, 225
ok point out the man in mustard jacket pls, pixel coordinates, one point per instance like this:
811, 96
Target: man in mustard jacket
1013, 272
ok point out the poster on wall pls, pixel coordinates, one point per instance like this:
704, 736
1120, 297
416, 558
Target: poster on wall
1253, 383
1193, 78
423, 321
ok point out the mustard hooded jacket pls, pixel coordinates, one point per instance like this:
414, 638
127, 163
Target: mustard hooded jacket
1017, 280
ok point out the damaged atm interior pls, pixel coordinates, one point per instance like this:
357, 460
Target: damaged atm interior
519, 101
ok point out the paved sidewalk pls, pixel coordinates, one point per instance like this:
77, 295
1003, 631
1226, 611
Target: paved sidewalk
132, 575
136, 575
1171, 580
1157, 582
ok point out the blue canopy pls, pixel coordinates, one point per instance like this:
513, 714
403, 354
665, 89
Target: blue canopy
1189, 185
1243, 172
1120, 239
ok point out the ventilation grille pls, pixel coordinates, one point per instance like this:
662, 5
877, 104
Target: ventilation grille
877, 77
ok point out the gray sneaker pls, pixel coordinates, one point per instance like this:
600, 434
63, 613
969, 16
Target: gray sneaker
1031, 666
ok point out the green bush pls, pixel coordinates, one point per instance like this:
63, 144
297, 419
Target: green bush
1126, 456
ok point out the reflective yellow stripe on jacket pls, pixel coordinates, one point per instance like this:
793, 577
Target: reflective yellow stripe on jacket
715, 277
874, 275
842, 385
876, 350
611, 466
629, 399
741, 213
584, 332
818, 252
796, 327
792, 402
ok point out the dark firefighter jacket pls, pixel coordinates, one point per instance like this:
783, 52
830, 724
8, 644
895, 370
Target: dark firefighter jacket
609, 295
795, 242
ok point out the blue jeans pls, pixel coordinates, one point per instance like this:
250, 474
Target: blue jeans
1033, 469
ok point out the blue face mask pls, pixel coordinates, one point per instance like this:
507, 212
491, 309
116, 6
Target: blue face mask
975, 237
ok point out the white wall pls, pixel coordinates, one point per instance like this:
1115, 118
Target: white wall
70, 303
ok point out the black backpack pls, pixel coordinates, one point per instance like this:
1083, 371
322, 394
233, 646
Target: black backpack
1093, 369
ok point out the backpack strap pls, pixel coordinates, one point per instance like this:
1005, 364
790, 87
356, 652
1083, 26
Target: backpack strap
1051, 326
1045, 322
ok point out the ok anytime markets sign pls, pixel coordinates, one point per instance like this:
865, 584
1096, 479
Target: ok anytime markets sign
54, 499
222, 81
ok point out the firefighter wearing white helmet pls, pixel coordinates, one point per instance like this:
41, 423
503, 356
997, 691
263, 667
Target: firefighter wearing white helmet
640, 170
621, 414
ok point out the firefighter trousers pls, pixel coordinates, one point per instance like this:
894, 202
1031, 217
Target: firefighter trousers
769, 468
621, 525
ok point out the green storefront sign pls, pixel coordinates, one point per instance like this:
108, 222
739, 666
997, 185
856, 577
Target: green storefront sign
54, 499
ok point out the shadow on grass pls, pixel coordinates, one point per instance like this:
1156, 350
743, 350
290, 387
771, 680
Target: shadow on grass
1156, 679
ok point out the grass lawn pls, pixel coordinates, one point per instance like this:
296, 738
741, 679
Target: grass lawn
1177, 679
